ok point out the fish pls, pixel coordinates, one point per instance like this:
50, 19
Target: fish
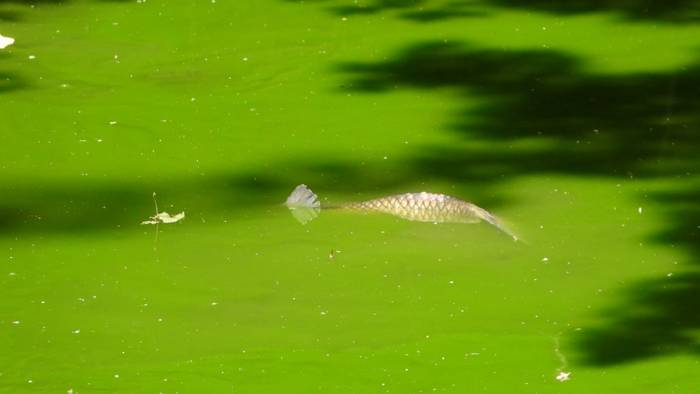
421, 207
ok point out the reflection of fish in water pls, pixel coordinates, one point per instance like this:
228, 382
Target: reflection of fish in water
422, 207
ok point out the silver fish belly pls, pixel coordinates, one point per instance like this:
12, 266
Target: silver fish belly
422, 207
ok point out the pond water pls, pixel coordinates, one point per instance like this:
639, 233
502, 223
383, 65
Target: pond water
575, 124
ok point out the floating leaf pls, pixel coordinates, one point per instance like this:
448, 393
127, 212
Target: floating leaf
563, 376
164, 217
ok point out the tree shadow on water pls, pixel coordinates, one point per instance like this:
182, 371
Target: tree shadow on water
681, 11
540, 112
661, 315
9, 15
422, 11
378, 6
83, 208
674, 11
11, 81
88, 207
578, 123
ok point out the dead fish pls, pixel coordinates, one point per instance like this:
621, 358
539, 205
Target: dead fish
422, 207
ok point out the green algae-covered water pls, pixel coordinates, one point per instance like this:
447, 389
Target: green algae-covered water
576, 123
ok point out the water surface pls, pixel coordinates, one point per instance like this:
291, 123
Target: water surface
577, 125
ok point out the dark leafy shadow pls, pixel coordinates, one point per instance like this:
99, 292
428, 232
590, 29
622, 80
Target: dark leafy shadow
89, 207
576, 123
9, 15
32, 2
453, 11
11, 81
659, 318
422, 11
673, 11
35, 2
376, 7
83, 208
666, 10
540, 113
661, 315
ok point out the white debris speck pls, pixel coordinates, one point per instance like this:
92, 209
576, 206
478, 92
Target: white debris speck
639, 210
30, 381
545, 259
76, 331
116, 376
6, 41
16, 322
245, 59
112, 122
563, 376
214, 303
670, 274
324, 313
344, 19
164, 217
31, 57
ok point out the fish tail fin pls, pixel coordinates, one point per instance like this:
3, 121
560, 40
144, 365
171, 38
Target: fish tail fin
487, 216
303, 204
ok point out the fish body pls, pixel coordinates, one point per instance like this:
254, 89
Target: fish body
422, 207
